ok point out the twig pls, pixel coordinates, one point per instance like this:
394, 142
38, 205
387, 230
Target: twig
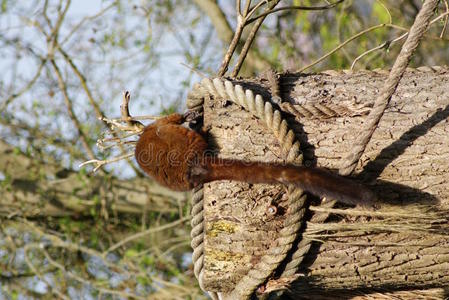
70, 110
52, 43
144, 233
242, 19
99, 163
393, 212
78, 278
232, 46
250, 39
443, 31
245, 18
61, 15
341, 46
30, 264
297, 7
88, 92
387, 44
88, 18
101, 143
196, 71
26, 87
117, 123
238, 8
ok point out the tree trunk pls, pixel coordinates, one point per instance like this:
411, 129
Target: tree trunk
32, 188
402, 245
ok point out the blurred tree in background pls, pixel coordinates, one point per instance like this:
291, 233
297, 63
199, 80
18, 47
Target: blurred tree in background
66, 233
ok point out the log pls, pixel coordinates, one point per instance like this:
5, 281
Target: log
404, 244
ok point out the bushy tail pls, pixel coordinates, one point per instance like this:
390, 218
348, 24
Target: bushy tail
317, 181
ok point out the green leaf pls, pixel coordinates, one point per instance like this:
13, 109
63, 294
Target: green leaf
131, 253
4, 4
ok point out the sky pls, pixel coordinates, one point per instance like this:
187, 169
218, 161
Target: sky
159, 87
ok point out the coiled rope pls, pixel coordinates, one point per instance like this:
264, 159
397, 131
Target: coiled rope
255, 104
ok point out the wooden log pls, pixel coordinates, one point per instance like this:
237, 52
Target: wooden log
402, 245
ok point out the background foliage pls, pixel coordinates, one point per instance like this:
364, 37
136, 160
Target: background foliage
64, 64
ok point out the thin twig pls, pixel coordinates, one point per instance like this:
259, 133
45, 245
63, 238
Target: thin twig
144, 233
55, 29
30, 264
28, 86
244, 19
253, 10
89, 95
78, 278
247, 7
88, 18
99, 163
68, 102
297, 7
341, 46
387, 44
393, 212
241, 23
249, 41
443, 31
44, 13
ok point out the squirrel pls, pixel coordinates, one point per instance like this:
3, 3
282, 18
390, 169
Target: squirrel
177, 157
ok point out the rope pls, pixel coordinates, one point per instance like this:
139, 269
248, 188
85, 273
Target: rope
195, 100
323, 110
417, 31
296, 203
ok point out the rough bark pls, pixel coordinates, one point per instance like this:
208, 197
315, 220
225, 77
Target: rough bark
32, 188
406, 163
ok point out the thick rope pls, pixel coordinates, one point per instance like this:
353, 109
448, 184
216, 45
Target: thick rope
323, 110
195, 101
272, 118
296, 202
417, 31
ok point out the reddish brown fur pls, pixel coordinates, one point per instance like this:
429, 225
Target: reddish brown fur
176, 157
166, 152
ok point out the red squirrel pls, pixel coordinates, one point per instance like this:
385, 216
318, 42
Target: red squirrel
177, 157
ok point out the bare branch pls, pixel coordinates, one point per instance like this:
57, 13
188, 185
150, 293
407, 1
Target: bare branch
443, 31
144, 233
100, 163
387, 44
341, 46
232, 46
26, 88
297, 7
250, 38
68, 102
253, 61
